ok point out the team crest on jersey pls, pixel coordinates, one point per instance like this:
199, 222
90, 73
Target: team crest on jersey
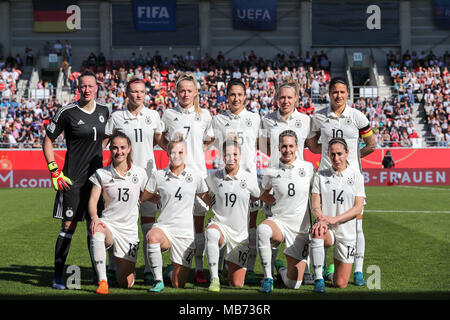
350, 181
197, 117
348, 121
298, 123
51, 127
101, 118
135, 179
302, 172
248, 122
243, 184
69, 212
148, 121
189, 178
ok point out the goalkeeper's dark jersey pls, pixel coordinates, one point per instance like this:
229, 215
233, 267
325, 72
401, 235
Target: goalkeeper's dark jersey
83, 133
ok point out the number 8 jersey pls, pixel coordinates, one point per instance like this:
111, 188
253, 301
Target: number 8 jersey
338, 191
291, 189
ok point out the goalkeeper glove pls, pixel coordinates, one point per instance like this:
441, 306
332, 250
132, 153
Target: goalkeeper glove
60, 181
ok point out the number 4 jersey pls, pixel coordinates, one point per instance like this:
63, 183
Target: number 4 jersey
83, 132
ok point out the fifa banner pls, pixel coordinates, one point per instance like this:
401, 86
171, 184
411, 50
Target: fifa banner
154, 23
349, 23
28, 169
254, 15
441, 10
52, 15
154, 15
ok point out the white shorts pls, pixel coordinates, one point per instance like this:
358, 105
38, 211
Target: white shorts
343, 251
236, 252
125, 245
296, 243
182, 250
200, 207
148, 209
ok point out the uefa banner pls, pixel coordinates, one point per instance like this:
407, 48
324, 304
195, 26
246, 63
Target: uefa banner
28, 169
254, 15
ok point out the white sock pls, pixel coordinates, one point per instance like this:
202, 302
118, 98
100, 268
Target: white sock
252, 249
145, 229
360, 246
264, 233
199, 239
213, 251
155, 260
317, 252
289, 283
98, 252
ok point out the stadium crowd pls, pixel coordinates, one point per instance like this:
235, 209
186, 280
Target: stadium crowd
23, 122
423, 78
414, 76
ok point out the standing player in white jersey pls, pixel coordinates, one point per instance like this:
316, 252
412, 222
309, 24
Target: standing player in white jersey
177, 187
341, 121
233, 188
144, 127
337, 198
194, 123
121, 185
286, 118
290, 183
245, 125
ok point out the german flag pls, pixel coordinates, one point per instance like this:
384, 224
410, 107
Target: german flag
51, 15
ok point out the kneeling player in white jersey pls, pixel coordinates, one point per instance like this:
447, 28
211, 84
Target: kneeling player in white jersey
290, 222
232, 188
337, 199
120, 184
176, 187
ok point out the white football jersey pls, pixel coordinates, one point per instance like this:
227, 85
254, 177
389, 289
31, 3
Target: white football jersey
177, 194
246, 127
231, 200
195, 129
140, 130
338, 191
274, 124
348, 125
121, 196
291, 187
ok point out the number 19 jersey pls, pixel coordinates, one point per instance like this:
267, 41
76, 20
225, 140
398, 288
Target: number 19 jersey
231, 200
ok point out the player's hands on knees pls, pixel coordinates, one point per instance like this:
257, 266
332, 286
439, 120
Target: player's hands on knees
319, 229
59, 180
96, 225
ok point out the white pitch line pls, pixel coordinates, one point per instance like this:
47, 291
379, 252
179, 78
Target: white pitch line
406, 211
425, 188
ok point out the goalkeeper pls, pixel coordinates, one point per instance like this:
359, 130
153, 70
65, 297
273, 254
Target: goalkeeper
83, 123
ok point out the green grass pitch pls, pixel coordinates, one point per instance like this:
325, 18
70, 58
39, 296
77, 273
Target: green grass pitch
406, 231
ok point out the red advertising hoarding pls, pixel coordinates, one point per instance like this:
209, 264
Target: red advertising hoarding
28, 169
